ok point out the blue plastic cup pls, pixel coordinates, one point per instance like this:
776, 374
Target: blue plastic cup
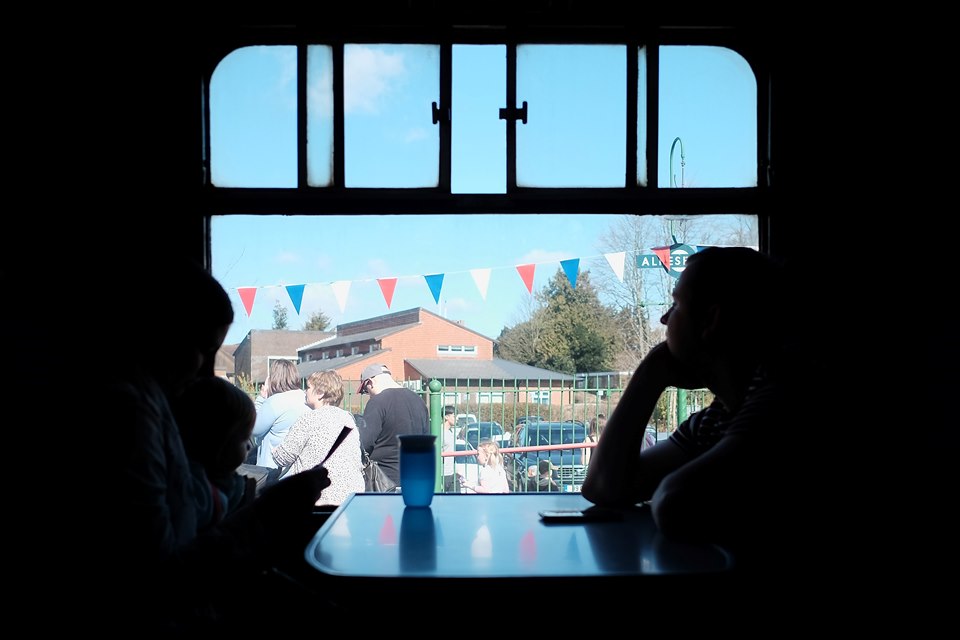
418, 469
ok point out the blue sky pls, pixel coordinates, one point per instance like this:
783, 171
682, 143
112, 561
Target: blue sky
574, 137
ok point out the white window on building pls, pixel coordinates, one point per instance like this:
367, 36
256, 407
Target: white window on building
339, 353
490, 397
354, 350
325, 356
459, 350
374, 347
454, 398
539, 397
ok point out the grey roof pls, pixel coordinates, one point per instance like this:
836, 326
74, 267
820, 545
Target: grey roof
496, 369
306, 368
318, 342
374, 334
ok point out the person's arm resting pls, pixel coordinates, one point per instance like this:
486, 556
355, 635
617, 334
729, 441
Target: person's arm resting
619, 474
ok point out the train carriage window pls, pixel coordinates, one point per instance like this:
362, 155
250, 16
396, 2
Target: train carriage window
570, 118
354, 179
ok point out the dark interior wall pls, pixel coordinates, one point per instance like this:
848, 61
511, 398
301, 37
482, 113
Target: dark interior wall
134, 131
111, 134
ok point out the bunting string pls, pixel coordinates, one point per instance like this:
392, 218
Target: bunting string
658, 257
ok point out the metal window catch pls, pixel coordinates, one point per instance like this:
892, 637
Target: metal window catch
511, 113
437, 115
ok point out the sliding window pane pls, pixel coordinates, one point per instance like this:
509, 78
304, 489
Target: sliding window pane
319, 116
479, 156
253, 118
389, 136
642, 117
708, 118
575, 134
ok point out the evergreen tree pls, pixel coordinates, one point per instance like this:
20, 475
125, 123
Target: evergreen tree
319, 321
570, 331
279, 316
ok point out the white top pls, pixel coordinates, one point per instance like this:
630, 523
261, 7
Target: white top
448, 444
494, 479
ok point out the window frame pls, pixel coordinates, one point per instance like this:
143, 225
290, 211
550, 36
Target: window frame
649, 199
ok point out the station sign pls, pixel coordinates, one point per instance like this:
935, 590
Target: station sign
673, 258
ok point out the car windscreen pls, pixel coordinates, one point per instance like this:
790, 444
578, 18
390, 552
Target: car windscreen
483, 431
549, 433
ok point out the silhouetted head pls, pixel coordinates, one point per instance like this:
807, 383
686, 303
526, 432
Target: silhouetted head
168, 317
216, 419
728, 303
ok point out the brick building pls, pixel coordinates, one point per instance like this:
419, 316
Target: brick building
418, 346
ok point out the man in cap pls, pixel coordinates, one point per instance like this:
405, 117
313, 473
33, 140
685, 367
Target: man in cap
392, 410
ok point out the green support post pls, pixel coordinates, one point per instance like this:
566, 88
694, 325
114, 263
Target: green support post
681, 405
436, 420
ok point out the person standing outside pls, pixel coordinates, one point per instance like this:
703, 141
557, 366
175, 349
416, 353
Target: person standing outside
392, 410
449, 445
280, 402
314, 433
493, 476
593, 435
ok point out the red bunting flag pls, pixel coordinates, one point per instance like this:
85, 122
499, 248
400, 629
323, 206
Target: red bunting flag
526, 274
247, 295
387, 285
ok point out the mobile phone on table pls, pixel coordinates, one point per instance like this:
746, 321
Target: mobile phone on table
591, 514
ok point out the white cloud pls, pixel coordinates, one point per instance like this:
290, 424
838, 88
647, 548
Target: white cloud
322, 262
287, 59
288, 257
538, 256
380, 267
369, 75
455, 305
320, 96
415, 134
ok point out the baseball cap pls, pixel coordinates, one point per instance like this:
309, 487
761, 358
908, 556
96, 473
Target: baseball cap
371, 371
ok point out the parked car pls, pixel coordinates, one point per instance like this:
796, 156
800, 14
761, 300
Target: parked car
522, 420
463, 419
474, 433
568, 462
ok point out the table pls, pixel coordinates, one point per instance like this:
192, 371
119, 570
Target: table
373, 540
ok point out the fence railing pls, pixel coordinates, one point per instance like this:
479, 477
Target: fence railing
577, 405
568, 404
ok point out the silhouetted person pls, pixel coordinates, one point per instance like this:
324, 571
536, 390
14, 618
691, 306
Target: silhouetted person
732, 473
160, 573
215, 420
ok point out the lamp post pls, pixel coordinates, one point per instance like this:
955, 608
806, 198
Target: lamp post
681, 393
683, 162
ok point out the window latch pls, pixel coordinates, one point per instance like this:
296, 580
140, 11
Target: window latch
437, 116
512, 113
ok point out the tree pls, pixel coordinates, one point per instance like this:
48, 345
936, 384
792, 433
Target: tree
319, 321
519, 343
279, 316
568, 329
644, 295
